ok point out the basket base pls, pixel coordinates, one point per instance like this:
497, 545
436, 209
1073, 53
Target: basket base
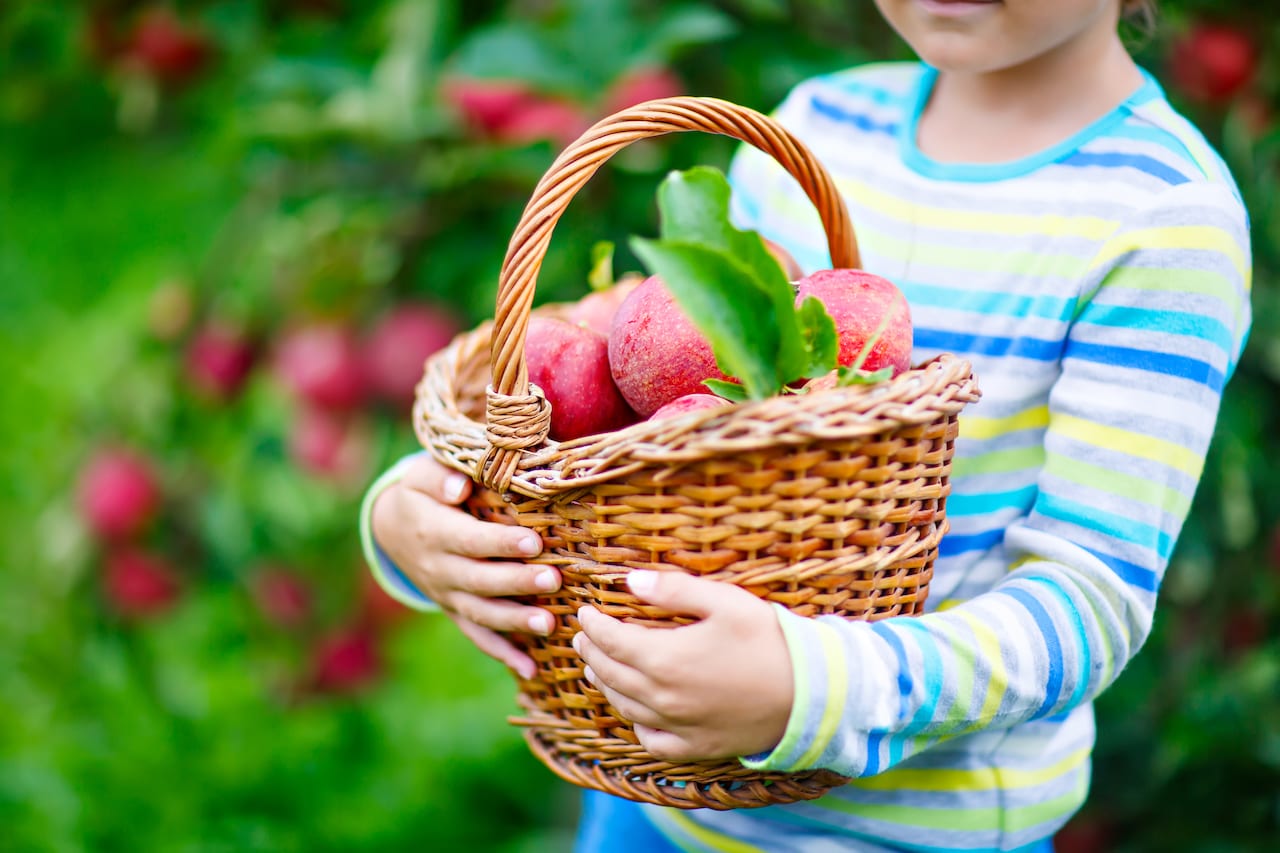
743, 789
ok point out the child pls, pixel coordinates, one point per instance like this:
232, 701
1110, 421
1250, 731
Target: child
1052, 219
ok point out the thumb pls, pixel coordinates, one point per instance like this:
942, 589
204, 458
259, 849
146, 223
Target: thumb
680, 592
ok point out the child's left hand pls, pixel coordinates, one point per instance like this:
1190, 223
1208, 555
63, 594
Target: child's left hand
718, 688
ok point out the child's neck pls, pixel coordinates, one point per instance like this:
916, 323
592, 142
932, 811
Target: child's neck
995, 117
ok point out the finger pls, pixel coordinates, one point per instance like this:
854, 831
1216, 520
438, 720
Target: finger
443, 484
459, 533
492, 580
496, 646
632, 645
630, 709
500, 614
608, 671
665, 745
683, 593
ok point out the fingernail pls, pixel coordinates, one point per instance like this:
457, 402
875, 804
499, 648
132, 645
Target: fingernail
577, 642
527, 669
529, 545
589, 674
540, 623
453, 486
642, 581
546, 580
582, 613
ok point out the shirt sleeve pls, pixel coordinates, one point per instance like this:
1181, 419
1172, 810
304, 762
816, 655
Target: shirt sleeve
1158, 328
387, 574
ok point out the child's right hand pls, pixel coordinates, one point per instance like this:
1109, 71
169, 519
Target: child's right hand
450, 557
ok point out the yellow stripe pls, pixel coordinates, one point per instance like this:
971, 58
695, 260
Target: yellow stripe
837, 693
1176, 237
998, 684
979, 428
1011, 224
979, 779
706, 837
1130, 443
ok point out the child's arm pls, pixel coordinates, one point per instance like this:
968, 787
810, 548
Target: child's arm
427, 553
1129, 421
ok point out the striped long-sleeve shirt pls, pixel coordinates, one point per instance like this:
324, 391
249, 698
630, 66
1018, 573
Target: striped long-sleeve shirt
1100, 289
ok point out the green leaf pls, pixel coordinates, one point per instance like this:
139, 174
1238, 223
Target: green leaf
721, 298
694, 208
601, 275
855, 376
731, 391
818, 334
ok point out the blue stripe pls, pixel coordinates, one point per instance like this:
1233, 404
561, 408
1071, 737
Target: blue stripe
863, 123
1082, 640
983, 503
851, 84
1107, 523
943, 340
1142, 163
1053, 689
933, 674
987, 302
1161, 137
953, 545
1168, 322
1181, 366
1131, 573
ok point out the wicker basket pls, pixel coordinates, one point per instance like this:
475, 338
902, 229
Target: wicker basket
828, 503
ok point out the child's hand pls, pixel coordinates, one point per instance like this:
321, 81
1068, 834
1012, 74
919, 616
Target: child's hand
718, 688
448, 555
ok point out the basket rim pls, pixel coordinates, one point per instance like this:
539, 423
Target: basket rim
939, 387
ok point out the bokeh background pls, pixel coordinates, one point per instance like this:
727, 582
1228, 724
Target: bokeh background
229, 233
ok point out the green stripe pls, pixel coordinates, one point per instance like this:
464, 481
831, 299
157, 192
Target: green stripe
998, 462
1130, 487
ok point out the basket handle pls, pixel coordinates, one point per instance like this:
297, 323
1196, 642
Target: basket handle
518, 420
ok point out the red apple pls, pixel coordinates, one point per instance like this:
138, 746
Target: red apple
345, 661
655, 352
640, 85
329, 444
322, 364
486, 105
282, 596
168, 48
1213, 63
597, 309
139, 585
543, 119
571, 365
689, 403
219, 358
396, 348
859, 302
118, 494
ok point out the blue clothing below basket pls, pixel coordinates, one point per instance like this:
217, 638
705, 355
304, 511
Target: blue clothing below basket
613, 825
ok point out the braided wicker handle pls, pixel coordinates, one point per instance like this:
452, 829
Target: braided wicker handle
517, 419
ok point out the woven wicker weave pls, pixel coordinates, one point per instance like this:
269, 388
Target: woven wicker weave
827, 503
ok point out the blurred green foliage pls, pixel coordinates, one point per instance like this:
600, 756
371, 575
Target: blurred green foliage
273, 165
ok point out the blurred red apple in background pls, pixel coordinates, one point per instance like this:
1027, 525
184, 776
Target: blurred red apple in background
322, 365
328, 444
218, 360
378, 610
139, 585
345, 661
550, 119
486, 105
168, 48
640, 85
399, 343
118, 493
1213, 63
283, 597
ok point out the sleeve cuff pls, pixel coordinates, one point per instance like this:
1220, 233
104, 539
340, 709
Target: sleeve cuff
385, 572
843, 693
